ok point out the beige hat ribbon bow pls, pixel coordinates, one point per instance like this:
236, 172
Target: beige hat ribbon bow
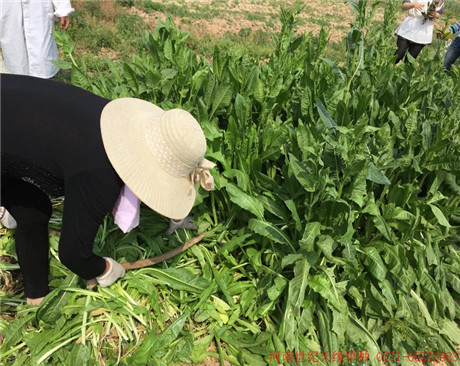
201, 173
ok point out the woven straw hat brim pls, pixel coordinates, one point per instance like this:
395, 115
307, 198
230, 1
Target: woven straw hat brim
123, 124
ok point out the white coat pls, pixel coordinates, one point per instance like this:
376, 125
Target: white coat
26, 36
414, 29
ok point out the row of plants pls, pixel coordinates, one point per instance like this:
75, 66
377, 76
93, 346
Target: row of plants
333, 226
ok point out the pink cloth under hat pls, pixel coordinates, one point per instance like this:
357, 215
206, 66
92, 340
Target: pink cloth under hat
127, 210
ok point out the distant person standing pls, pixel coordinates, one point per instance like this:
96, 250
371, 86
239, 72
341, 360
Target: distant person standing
416, 30
453, 52
26, 35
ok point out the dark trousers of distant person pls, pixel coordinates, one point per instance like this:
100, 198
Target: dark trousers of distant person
452, 54
405, 46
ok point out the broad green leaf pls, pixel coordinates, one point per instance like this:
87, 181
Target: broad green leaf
454, 281
200, 348
50, 309
302, 174
178, 278
153, 343
450, 329
245, 201
448, 162
392, 259
321, 285
79, 356
423, 309
328, 287
209, 91
388, 291
357, 189
270, 231
356, 330
275, 207
221, 98
375, 263
383, 227
298, 285
325, 116
376, 176
167, 74
15, 331
325, 244
439, 216
291, 205
306, 103
311, 232
242, 178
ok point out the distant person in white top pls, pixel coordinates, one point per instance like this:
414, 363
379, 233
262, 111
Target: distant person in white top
26, 37
416, 30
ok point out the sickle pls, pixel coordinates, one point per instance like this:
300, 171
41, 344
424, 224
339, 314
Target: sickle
141, 263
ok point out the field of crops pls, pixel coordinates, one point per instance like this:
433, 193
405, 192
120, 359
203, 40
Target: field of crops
333, 233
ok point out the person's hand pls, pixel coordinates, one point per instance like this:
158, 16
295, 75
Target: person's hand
186, 223
447, 34
65, 21
113, 273
417, 6
434, 14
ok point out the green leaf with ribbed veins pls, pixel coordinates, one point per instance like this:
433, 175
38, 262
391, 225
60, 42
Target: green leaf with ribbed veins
376, 176
312, 231
450, 329
167, 74
357, 188
326, 287
302, 174
328, 121
454, 281
392, 260
50, 309
270, 231
356, 330
245, 201
221, 98
179, 279
447, 162
298, 285
383, 227
423, 309
375, 264
292, 206
79, 355
439, 216
15, 330
274, 207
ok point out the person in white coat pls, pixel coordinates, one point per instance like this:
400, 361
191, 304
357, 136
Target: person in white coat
26, 35
415, 32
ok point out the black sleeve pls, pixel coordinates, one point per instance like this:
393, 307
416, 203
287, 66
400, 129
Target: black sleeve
89, 197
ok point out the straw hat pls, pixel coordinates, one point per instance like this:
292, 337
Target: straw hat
158, 154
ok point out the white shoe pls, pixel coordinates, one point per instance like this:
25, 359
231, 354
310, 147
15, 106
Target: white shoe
6, 219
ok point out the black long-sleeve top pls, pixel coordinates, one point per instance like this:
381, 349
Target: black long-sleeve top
50, 137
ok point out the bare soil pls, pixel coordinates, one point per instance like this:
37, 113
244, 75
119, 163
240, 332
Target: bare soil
233, 16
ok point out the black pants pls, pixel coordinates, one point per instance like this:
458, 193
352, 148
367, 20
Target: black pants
405, 46
31, 208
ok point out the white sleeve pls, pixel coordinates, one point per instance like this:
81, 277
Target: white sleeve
62, 8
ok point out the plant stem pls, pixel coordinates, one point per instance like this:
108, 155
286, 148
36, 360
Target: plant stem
85, 320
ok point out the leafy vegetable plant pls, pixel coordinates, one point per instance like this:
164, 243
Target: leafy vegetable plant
334, 225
